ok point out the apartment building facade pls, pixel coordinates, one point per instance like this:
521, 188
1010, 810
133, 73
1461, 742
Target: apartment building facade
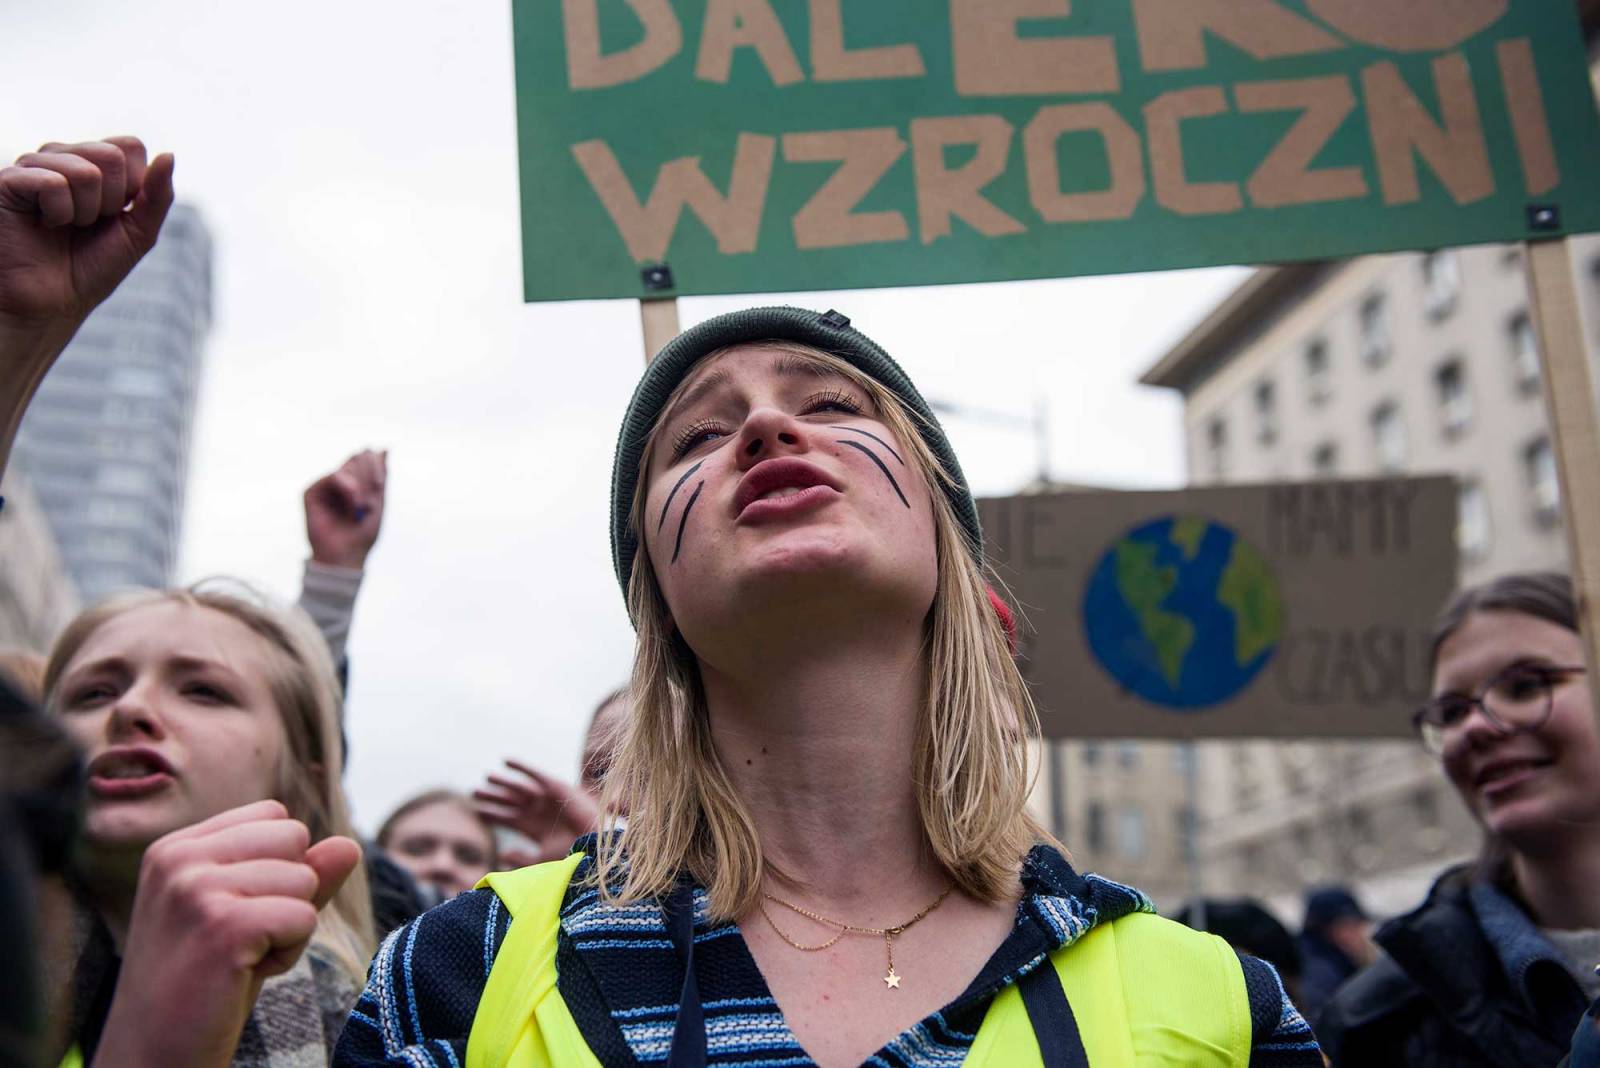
1420, 363
37, 596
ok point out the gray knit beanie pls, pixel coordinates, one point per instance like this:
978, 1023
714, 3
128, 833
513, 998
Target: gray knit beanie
828, 331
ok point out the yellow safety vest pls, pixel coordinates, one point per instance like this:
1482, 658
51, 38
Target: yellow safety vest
1145, 991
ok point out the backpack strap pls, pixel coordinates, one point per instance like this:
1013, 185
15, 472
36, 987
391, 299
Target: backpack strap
514, 992
1137, 990
1055, 1028
689, 1032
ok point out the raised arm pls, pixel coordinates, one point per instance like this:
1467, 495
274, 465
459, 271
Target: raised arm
344, 515
74, 219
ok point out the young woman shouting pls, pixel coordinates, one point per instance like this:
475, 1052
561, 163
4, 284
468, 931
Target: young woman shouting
827, 857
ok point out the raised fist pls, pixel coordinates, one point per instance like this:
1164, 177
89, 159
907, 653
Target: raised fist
74, 219
344, 510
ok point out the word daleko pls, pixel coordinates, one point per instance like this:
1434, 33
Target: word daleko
1041, 136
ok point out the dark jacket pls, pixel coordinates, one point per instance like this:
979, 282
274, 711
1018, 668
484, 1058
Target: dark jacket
1586, 1041
1323, 969
1468, 980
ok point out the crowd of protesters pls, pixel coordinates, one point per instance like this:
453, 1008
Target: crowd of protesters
825, 719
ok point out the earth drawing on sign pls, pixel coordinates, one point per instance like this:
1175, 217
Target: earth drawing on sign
1183, 612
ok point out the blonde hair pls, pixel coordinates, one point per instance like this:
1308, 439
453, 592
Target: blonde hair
970, 773
24, 669
306, 692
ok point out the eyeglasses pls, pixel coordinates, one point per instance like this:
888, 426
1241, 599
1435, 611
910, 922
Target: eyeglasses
1515, 701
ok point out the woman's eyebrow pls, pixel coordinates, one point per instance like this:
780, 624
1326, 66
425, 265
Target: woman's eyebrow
96, 667
788, 366
200, 663
714, 379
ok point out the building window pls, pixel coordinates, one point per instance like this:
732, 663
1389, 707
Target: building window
1472, 521
1183, 757
1524, 353
1128, 755
1389, 437
1246, 790
122, 478
1431, 837
137, 380
1425, 805
1441, 282
1455, 400
1183, 824
1325, 460
1217, 447
1091, 754
1539, 461
1130, 832
1266, 412
1319, 381
116, 511
1094, 827
1375, 330
1364, 849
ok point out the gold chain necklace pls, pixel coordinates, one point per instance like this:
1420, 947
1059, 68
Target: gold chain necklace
889, 933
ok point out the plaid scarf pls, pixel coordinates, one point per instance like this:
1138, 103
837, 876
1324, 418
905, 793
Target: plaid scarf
295, 1022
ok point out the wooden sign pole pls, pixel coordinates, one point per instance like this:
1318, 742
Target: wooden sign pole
1570, 401
659, 317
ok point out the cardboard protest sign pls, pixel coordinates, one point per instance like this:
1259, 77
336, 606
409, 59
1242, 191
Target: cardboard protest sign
1284, 611
764, 145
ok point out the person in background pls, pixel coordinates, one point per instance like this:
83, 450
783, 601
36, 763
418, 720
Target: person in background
1335, 943
231, 885
546, 811
1497, 965
41, 782
24, 669
439, 838
224, 917
1249, 928
599, 744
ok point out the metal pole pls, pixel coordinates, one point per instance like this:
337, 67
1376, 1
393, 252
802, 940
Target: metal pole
1191, 845
1057, 770
1041, 430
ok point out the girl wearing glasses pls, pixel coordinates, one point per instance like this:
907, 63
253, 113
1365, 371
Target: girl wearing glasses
1496, 966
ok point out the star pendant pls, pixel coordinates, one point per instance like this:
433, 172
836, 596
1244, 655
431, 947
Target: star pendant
892, 980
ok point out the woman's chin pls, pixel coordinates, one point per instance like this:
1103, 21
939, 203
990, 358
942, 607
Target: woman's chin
128, 827
1528, 819
803, 554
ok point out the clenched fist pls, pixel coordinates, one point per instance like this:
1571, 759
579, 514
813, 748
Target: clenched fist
221, 906
74, 219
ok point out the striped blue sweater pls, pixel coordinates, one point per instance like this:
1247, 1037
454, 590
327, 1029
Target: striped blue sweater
619, 976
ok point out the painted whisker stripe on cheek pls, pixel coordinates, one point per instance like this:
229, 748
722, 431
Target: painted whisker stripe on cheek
881, 467
662, 521
874, 437
677, 546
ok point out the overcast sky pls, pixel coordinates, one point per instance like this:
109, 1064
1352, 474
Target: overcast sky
356, 164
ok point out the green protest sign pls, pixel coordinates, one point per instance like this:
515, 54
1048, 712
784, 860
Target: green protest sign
761, 145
